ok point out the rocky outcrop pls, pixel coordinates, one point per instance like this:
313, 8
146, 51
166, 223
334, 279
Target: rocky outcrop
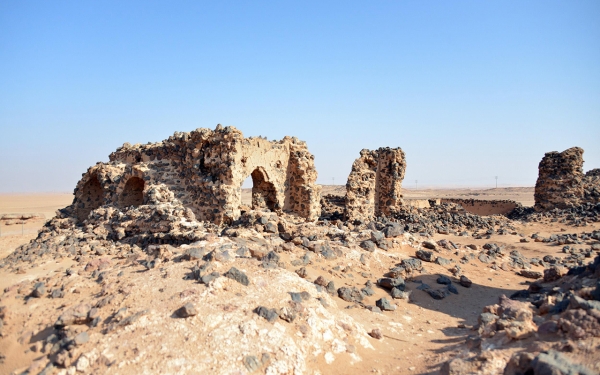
204, 170
374, 186
561, 182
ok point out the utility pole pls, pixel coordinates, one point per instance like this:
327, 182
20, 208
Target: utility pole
416, 181
333, 181
496, 182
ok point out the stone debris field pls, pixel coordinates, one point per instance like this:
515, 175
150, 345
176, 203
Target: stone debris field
159, 267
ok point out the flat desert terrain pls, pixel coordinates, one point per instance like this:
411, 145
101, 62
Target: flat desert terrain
416, 337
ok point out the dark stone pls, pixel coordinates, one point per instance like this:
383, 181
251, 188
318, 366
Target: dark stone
271, 257
442, 261
438, 293
39, 290
452, 289
389, 283
237, 275
186, 310
385, 305
394, 230
328, 254
530, 274
376, 236
330, 287
367, 291
424, 255
429, 245
209, 277
368, 245
464, 281
57, 293
412, 264
271, 227
350, 294
269, 314
397, 293
444, 280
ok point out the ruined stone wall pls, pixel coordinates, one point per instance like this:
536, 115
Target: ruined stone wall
204, 169
360, 188
374, 186
391, 167
561, 182
483, 207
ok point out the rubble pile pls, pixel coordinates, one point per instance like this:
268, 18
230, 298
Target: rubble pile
451, 218
548, 328
578, 216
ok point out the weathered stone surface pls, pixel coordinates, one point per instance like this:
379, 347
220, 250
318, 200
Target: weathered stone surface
350, 294
374, 186
561, 182
269, 314
237, 275
187, 310
385, 305
425, 255
204, 169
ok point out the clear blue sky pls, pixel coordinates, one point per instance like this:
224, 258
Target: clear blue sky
468, 89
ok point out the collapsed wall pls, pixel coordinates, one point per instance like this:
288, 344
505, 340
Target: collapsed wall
561, 182
374, 186
483, 207
204, 170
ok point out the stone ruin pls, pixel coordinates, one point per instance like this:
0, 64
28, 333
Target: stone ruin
374, 186
203, 171
562, 184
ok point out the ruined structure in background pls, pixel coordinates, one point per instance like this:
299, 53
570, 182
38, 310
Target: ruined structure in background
203, 171
561, 182
374, 186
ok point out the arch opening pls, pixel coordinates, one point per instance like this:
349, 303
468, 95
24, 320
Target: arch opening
91, 197
133, 193
264, 194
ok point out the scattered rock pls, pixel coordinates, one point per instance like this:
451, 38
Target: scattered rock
376, 334
465, 281
269, 314
385, 305
424, 255
237, 275
187, 310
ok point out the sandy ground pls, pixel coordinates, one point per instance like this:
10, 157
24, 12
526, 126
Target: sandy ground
418, 336
44, 205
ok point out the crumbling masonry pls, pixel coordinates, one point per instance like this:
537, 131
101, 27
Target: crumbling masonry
561, 182
374, 186
204, 170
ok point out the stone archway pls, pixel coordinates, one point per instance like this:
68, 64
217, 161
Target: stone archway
133, 193
91, 197
264, 194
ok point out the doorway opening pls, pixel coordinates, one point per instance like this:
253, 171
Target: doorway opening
263, 194
91, 198
133, 193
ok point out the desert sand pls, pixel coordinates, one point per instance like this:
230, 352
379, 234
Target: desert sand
417, 337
